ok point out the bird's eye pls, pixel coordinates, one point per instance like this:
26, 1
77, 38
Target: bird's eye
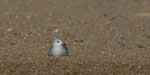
57, 41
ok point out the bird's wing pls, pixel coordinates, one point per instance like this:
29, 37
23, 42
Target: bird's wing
49, 53
65, 47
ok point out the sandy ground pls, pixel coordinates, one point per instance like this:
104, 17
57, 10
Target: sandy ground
104, 37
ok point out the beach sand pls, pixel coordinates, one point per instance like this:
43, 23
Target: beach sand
104, 37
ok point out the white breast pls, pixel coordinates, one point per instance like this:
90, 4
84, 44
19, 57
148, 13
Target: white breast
58, 51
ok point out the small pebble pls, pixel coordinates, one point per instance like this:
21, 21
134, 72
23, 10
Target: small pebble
28, 16
104, 41
78, 40
142, 46
16, 17
56, 31
9, 29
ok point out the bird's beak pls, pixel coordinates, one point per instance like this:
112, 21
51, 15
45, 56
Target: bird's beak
63, 44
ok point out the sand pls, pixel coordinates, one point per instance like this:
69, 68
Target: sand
104, 37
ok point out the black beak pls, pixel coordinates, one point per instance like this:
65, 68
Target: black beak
63, 44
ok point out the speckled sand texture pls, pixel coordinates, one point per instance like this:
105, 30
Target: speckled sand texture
104, 37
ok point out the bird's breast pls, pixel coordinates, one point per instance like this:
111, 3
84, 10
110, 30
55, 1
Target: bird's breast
58, 51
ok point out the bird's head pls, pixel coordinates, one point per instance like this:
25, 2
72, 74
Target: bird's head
58, 42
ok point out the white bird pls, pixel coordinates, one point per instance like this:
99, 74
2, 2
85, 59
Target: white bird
58, 49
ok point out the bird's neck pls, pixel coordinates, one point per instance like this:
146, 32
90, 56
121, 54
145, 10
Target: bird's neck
56, 45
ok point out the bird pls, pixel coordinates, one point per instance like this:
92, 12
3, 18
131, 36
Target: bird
58, 48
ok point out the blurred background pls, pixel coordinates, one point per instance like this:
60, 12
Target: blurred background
103, 37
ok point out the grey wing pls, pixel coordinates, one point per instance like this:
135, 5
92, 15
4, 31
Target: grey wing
65, 47
49, 53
